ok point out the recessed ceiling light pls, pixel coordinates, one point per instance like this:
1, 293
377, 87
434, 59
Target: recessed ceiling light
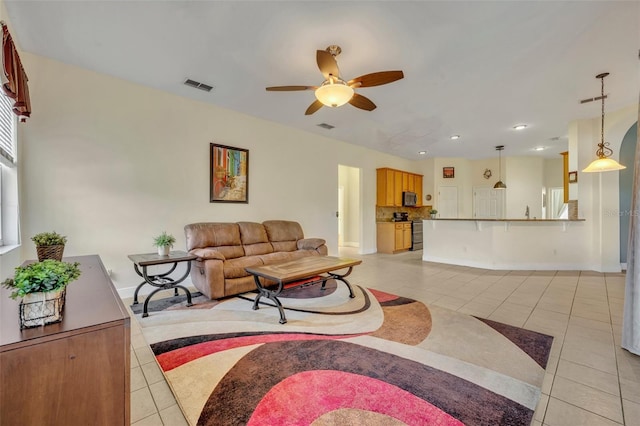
520, 126
539, 148
422, 152
454, 137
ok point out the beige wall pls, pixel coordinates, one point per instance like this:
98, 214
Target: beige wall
110, 164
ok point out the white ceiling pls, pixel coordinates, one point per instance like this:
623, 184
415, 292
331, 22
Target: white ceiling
472, 68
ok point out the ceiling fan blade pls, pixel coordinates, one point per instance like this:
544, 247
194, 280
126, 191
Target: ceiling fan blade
327, 64
313, 107
289, 88
376, 79
362, 102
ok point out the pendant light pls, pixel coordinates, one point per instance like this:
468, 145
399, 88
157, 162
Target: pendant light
603, 163
499, 184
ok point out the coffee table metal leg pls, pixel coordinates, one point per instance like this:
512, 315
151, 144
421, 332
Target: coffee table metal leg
342, 278
271, 295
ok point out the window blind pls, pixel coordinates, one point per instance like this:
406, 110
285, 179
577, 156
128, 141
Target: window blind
7, 123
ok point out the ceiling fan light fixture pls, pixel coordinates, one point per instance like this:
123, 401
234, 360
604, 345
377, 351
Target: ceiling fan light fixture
603, 163
334, 94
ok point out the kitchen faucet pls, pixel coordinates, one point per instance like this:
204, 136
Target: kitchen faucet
526, 212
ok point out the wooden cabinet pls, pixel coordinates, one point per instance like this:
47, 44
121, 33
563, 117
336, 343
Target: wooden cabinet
392, 183
417, 179
75, 372
393, 237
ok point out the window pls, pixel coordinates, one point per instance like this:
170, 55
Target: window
7, 170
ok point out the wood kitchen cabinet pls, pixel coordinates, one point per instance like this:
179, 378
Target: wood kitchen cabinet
393, 237
392, 183
75, 372
417, 179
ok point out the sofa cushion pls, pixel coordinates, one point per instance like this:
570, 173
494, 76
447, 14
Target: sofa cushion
252, 233
234, 268
212, 234
283, 234
254, 238
281, 256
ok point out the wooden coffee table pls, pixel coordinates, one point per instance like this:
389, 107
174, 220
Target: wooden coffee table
299, 270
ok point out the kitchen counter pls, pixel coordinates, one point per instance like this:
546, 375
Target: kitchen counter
515, 244
512, 220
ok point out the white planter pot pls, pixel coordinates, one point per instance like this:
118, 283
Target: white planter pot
164, 250
37, 309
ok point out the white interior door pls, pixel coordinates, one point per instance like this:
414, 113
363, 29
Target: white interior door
488, 203
447, 201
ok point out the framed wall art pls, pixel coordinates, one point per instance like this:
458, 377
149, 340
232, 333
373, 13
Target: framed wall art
448, 172
229, 175
573, 177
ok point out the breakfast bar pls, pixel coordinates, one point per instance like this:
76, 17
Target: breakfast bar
516, 244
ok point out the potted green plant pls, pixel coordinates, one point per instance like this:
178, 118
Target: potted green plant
42, 289
164, 242
49, 245
433, 213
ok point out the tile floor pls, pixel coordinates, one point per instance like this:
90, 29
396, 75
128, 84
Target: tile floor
590, 380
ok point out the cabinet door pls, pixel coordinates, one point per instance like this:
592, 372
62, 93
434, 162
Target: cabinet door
78, 380
406, 235
385, 187
417, 179
389, 199
411, 183
399, 237
397, 191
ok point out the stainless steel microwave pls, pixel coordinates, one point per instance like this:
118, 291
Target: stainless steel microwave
409, 199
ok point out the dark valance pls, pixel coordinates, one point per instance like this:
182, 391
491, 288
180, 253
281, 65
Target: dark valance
14, 79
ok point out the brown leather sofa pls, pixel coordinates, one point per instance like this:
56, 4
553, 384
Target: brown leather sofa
225, 249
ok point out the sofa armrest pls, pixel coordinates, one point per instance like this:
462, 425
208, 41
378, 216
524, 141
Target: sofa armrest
207, 253
310, 243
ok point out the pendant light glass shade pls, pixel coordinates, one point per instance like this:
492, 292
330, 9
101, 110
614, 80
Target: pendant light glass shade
603, 163
500, 184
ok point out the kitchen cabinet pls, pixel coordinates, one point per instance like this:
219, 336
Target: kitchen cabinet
393, 237
417, 179
75, 372
392, 183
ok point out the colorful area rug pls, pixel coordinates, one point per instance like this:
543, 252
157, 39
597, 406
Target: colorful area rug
377, 359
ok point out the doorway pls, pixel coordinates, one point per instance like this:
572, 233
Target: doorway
349, 211
448, 201
488, 203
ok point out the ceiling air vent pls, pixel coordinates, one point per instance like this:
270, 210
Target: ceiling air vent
326, 126
198, 85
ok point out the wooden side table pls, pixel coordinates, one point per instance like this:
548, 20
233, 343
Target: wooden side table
161, 281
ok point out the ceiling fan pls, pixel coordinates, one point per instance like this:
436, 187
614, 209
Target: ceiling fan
334, 91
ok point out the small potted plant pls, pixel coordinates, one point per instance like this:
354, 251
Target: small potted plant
42, 289
433, 213
164, 242
49, 245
